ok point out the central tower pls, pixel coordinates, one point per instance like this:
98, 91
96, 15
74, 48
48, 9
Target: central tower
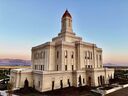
66, 22
66, 33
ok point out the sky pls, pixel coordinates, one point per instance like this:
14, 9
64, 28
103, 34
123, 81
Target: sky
27, 23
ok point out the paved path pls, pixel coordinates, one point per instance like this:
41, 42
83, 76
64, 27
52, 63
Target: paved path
121, 92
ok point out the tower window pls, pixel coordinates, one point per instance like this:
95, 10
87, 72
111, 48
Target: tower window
69, 23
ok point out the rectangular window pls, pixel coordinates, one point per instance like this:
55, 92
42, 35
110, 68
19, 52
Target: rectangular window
72, 67
57, 54
88, 54
39, 84
85, 54
72, 55
66, 54
91, 55
83, 80
44, 55
35, 66
57, 67
40, 55
43, 67
100, 57
65, 67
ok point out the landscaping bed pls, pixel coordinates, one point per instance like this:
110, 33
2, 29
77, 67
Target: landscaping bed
70, 91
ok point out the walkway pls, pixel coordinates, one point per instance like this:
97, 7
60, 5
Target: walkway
121, 92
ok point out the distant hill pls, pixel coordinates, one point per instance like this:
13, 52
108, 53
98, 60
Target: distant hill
115, 65
14, 62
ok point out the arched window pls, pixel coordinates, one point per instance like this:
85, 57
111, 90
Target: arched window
72, 67
43, 67
85, 54
100, 57
97, 59
68, 82
38, 55
43, 54
88, 54
83, 80
34, 56
35, 67
57, 67
91, 55
72, 55
61, 84
66, 54
39, 84
53, 85
65, 67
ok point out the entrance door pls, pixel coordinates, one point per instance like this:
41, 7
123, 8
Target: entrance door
68, 82
61, 84
89, 81
52, 85
80, 82
101, 80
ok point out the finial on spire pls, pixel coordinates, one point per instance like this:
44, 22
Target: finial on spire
66, 14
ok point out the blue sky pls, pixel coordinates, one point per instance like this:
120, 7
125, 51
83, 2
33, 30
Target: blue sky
26, 23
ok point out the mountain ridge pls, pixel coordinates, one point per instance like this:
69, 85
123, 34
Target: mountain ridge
14, 62
22, 62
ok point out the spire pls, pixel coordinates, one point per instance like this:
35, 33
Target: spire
66, 22
66, 14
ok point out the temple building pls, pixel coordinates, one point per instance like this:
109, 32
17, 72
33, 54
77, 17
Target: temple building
65, 61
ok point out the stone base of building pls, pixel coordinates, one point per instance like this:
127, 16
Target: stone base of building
52, 80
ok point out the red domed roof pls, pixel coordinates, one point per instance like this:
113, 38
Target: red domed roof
66, 14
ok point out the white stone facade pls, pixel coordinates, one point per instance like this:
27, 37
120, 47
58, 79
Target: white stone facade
66, 61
